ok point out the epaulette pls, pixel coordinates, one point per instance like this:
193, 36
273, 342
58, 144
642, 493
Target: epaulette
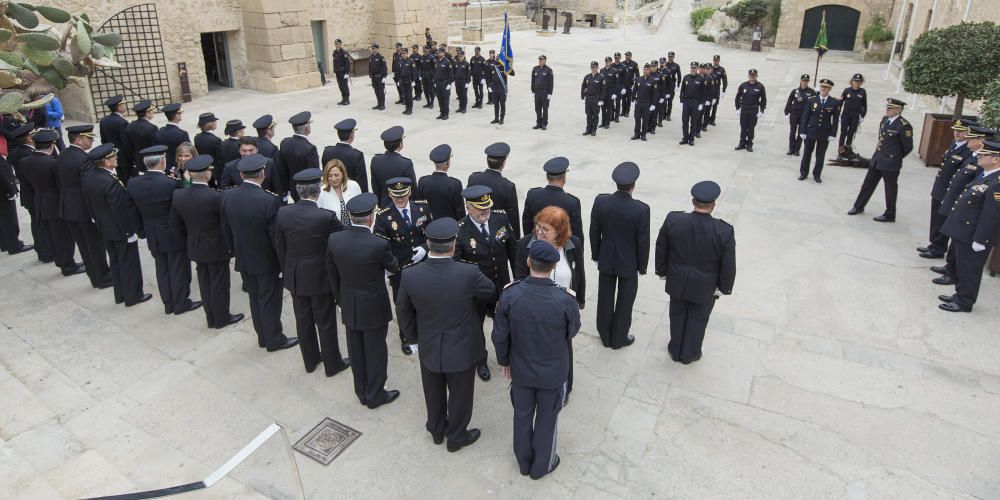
971, 167
724, 222
272, 193
499, 211
380, 235
512, 283
381, 211
467, 262
903, 121
569, 291
420, 202
411, 264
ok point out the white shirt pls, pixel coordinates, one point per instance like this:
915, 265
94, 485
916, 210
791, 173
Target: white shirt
562, 274
328, 200
892, 119
251, 182
359, 225
991, 172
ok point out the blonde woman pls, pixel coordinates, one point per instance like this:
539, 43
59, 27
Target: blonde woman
337, 190
184, 152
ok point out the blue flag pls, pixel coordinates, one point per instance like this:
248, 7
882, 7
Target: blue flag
506, 53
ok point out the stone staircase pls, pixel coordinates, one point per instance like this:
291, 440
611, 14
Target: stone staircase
492, 17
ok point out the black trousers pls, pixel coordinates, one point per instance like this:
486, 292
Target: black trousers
626, 100
213, 282
418, 88
668, 104
448, 397
477, 89
807, 156
63, 246
126, 271
536, 413
95, 257
399, 88
748, 124
688, 321
706, 114
848, 127
369, 362
969, 264
462, 91
607, 110
642, 118
939, 242
265, 293
950, 261
10, 229
429, 91
890, 178
443, 97
342, 83
795, 128
542, 109
406, 94
614, 310
689, 119
173, 280
591, 108
499, 104
714, 109
379, 87
316, 327
41, 239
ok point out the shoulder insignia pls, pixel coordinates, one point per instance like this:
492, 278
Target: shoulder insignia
569, 291
908, 133
512, 283
420, 202
381, 211
411, 264
903, 122
971, 167
380, 235
499, 211
996, 196
272, 193
467, 262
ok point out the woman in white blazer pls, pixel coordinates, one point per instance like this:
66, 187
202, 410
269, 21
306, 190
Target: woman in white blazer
337, 190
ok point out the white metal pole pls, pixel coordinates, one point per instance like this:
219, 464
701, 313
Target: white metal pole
968, 5
895, 40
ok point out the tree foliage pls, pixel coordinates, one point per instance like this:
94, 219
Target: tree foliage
877, 31
989, 111
699, 16
954, 61
748, 12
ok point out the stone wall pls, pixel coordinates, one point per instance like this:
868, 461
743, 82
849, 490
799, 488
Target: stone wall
404, 21
793, 12
945, 13
580, 7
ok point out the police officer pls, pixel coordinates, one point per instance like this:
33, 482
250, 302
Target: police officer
265, 132
854, 106
378, 74
415, 59
18, 151
818, 126
673, 71
115, 217
554, 194
490, 62
353, 159
442, 192
504, 196
630, 72
231, 172
663, 76
207, 143
390, 164
497, 88
72, 168
532, 333
609, 95
172, 135
592, 92
247, 214
112, 128
405, 77
152, 193
696, 255
692, 96
623, 87
794, 106
973, 226
139, 135
296, 153
462, 75
895, 141
951, 161
301, 231
356, 262
195, 219
477, 67
444, 75
719, 75
230, 148
751, 101
397, 55
713, 87
10, 230
342, 69
654, 115
427, 64
541, 87
645, 97
619, 242
485, 238
437, 310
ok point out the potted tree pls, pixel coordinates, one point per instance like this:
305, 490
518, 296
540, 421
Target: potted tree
989, 110
952, 61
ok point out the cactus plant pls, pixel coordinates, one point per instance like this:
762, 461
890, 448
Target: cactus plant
43, 49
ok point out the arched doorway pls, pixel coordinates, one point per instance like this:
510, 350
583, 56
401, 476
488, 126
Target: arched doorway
841, 27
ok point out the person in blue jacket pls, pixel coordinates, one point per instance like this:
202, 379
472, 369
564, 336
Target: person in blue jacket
54, 118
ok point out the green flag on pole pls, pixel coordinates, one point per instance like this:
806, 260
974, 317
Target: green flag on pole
821, 42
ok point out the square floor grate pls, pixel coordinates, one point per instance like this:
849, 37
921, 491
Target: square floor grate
326, 441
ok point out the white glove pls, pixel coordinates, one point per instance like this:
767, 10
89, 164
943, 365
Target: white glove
699, 107
723, 96
760, 114
346, 76
976, 247
861, 120
133, 238
831, 138
11, 197
715, 101
670, 96
285, 199
661, 101
708, 103
419, 254
447, 87
623, 91
652, 108
614, 97
483, 81
599, 103
413, 347
802, 136
384, 79
413, 84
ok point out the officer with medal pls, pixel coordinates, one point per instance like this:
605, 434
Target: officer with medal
818, 127
504, 195
378, 73
794, 107
751, 101
895, 141
342, 70
497, 87
953, 159
486, 239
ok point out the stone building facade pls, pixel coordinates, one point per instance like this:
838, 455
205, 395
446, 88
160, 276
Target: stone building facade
794, 14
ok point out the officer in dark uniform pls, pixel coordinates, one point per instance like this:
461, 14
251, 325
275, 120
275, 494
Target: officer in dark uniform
356, 262
152, 194
353, 159
713, 86
195, 218
751, 101
231, 172
497, 88
402, 222
630, 72
485, 239
696, 255
444, 75
535, 323
818, 126
619, 242
342, 69
692, 96
952, 160
794, 106
415, 59
592, 92
895, 141
247, 215
265, 132
554, 195
301, 231
477, 67
623, 87
673, 79
442, 192
230, 148
504, 196
719, 75
378, 73
462, 75
207, 143
117, 221
974, 225
139, 135
397, 56
610, 93
172, 135
112, 128
541, 86
405, 77
663, 89
853, 107
426, 63
390, 164
72, 168
296, 153
10, 229
645, 97
20, 149
438, 310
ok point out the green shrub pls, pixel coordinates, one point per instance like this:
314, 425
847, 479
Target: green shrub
877, 31
773, 16
989, 110
748, 12
706, 38
699, 16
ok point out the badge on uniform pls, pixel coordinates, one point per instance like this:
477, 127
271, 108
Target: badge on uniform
501, 233
472, 243
815, 105
980, 188
909, 133
395, 226
996, 196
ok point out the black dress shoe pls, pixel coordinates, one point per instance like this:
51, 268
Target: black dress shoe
484, 372
445, 117
818, 180
145, 297
343, 366
586, 133
407, 112
407, 350
536, 127
594, 134
195, 304
555, 464
495, 121
796, 154
24, 248
311, 368
46, 260
652, 132
789, 153
471, 436
390, 396
168, 310
940, 269
104, 284
953, 307
290, 342
802, 177
635, 138
629, 340
683, 141
855, 211
923, 249
692, 360
643, 137
439, 438
944, 280
233, 319
544, 127
74, 269
946, 298
741, 146
375, 107
931, 255
884, 218
749, 149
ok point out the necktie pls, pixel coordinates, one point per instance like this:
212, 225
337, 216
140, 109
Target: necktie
406, 216
982, 175
486, 233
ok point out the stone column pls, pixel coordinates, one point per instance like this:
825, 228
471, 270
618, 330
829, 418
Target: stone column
279, 45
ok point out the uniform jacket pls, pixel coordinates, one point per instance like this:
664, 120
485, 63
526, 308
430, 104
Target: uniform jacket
619, 234
820, 120
72, 167
750, 96
356, 262
697, 254
673, 75
403, 237
112, 128
496, 78
113, 211
229, 150
963, 176
693, 89
462, 72
592, 86
443, 194
17, 153
377, 69
295, 155
541, 80
504, 195
172, 136
386, 166
208, 143
895, 141
407, 72
195, 218
230, 176
8, 181
444, 71
719, 74
854, 102
301, 231
952, 160
574, 254
267, 148
152, 194
646, 89
477, 65
247, 215
797, 100
611, 86
552, 196
494, 255
139, 135
341, 61
41, 171
975, 217
353, 159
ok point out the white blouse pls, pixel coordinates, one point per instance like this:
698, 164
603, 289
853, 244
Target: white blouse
562, 274
328, 199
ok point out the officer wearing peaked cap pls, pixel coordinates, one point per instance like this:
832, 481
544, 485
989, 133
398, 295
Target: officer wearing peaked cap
112, 128
207, 143
138, 135
610, 94
895, 141
554, 194
172, 135
17, 152
673, 81
818, 126
692, 95
230, 148
542, 86
10, 229
592, 93
854, 107
73, 208
353, 159
265, 132
442, 192
378, 73
296, 153
751, 102
951, 161
342, 69
794, 106
504, 196
390, 164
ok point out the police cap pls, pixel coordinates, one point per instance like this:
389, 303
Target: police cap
348, 124
894, 103
670, 54
593, 64
825, 82
84, 130
752, 72
142, 106
963, 124
153, 150
478, 196
171, 108
556, 166
114, 101
199, 163
206, 118
441, 153
625, 173
694, 64
101, 152
251, 163
990, 148
543, 251
23, 130
45, 136
607, 59
233, 126
300, 118
857, 78
309, 175
706, 191
443, 230
804, 78
399, 186
263, 123
498, 150
362, 204
392, 134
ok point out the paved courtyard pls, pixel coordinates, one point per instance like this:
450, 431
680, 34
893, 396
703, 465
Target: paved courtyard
829, 373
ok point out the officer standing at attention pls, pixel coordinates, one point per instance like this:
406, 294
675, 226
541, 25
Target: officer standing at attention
437, 310
152, 194
426, 63
854, 106
342, 69
444, 75
673, 82
794, 106
504, 196
712, 87
623, 86
442, 192
818, 126
247, 214
895, 141
207, 143
112, 128
534, 326
139, 135
172, 135
973, 226
397, 55
751, 101
405, 76
592, 93
619, 242
415, 59
645, 97
22, 148
719, 75
296, 153
195, 219
477, 66
72, 168
497, 88
541, 87
610, 93
265, 132
231, 172
353, 159
691, 94
116, 218
554, 195
301, 231
630, 70
356, 262
10, 229
663, 76
230, 148
696, 255
378, 73
462, 75
390, 164
953, 159
654, 115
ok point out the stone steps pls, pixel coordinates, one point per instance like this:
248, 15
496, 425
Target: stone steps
493, 25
